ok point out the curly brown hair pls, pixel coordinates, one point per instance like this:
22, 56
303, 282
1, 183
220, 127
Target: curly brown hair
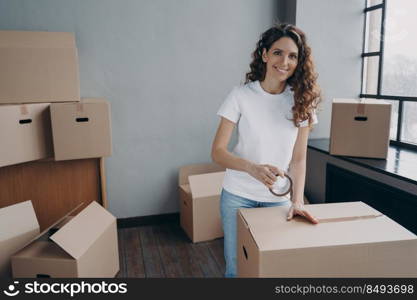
307, 93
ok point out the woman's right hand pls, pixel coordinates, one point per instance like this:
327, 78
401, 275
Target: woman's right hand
265, 173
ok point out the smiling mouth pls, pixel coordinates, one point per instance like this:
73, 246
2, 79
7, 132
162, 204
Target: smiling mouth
283, 71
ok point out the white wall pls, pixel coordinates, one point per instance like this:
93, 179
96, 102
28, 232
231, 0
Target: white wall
165, 66
334, 30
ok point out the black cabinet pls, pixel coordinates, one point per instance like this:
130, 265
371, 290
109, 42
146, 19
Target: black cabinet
346, 186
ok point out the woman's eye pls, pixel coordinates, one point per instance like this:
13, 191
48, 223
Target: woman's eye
293, 56
277, 52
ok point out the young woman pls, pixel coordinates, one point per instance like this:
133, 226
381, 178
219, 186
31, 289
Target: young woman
273, 112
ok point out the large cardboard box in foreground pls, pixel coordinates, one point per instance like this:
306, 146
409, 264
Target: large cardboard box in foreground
200, 187
360, 128
38, 67
18, 226
25, 133
351, 240
81, 129
82, 246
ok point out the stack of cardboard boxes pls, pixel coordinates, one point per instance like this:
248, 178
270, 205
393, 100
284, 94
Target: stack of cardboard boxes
42, 116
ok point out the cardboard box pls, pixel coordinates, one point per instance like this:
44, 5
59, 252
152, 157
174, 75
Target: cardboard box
200, 187
351, 240
82, 246
25, 133
18, 225
38, 67
360, 129
81, 129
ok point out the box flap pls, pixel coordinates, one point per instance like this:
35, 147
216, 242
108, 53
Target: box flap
363, 101
43, 250
195, 169
205, 185
53, 225
340, 224
77, 236
17, 219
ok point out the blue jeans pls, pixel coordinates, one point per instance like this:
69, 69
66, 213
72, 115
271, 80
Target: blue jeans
229, 204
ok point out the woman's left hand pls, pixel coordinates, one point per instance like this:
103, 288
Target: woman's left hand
299, 209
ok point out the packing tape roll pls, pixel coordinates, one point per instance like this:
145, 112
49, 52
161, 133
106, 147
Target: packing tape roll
289, 190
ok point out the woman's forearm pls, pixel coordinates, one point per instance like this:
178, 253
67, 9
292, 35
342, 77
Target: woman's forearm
228, 160
297, 171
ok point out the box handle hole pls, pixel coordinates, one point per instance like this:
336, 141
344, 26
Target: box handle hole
81, 119
25, 121
244, 252
43, 276
361, 119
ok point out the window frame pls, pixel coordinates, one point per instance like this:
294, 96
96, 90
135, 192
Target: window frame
380, 55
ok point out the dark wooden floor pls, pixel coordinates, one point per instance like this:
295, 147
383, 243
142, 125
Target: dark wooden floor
165, 251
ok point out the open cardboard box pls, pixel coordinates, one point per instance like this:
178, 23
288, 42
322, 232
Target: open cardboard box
200, 187
18, 226
360, 128
351, 240
81, 129
38, 67
84, 245
25, 133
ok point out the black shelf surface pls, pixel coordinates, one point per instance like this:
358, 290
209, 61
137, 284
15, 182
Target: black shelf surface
400, 163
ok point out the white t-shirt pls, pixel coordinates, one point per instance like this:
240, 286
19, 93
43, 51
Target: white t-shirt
266, 135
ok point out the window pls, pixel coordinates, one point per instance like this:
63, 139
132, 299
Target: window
389, 64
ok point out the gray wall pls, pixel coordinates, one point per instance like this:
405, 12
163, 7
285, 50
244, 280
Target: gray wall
165, 66
334, 29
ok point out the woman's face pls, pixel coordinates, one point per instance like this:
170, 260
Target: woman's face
281, 59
